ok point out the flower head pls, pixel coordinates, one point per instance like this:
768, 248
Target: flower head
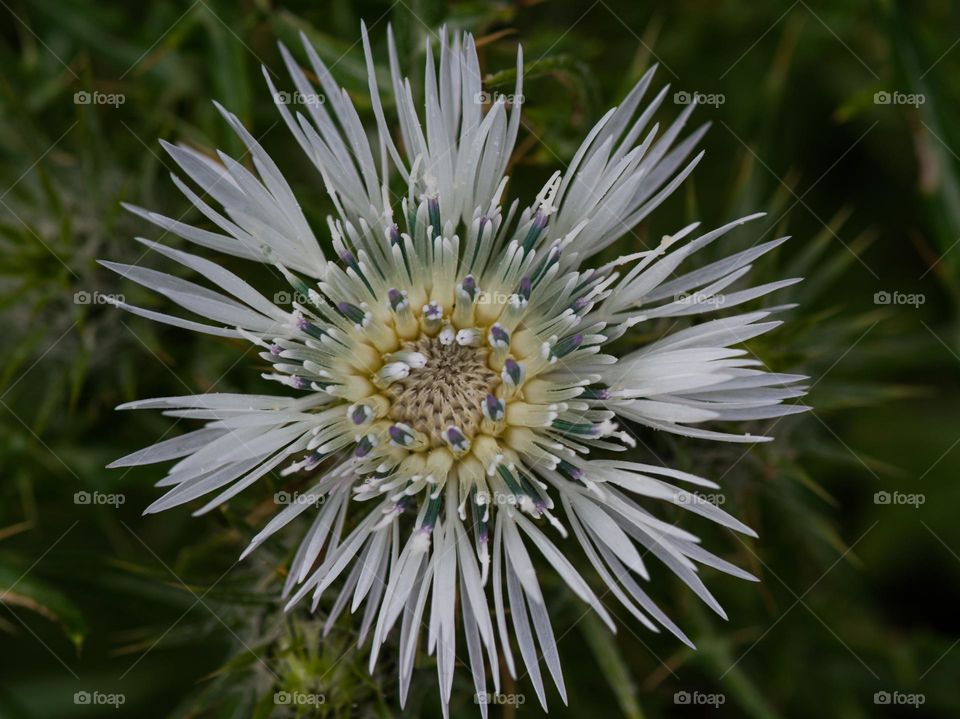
450, 369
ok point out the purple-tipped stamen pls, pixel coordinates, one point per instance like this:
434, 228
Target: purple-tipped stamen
469, 285
352, 312
525, 288
539, 222
401, 435
513, 371
433, 311
397, 299
493, 408
566, 345
499, 337
364, 446
569, 470
433, 209
456, 439
361, 414
595, 393
311, 329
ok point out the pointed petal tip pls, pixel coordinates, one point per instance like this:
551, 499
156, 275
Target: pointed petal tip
136, 209
246, 552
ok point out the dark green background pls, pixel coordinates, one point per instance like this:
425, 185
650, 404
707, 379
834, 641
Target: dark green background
855, 597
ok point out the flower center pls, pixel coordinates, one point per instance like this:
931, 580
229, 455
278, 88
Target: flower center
449, 390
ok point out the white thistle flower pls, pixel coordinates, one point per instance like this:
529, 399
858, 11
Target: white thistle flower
451, 373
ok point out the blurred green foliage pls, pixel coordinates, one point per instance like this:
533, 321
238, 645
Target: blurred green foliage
856, 597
